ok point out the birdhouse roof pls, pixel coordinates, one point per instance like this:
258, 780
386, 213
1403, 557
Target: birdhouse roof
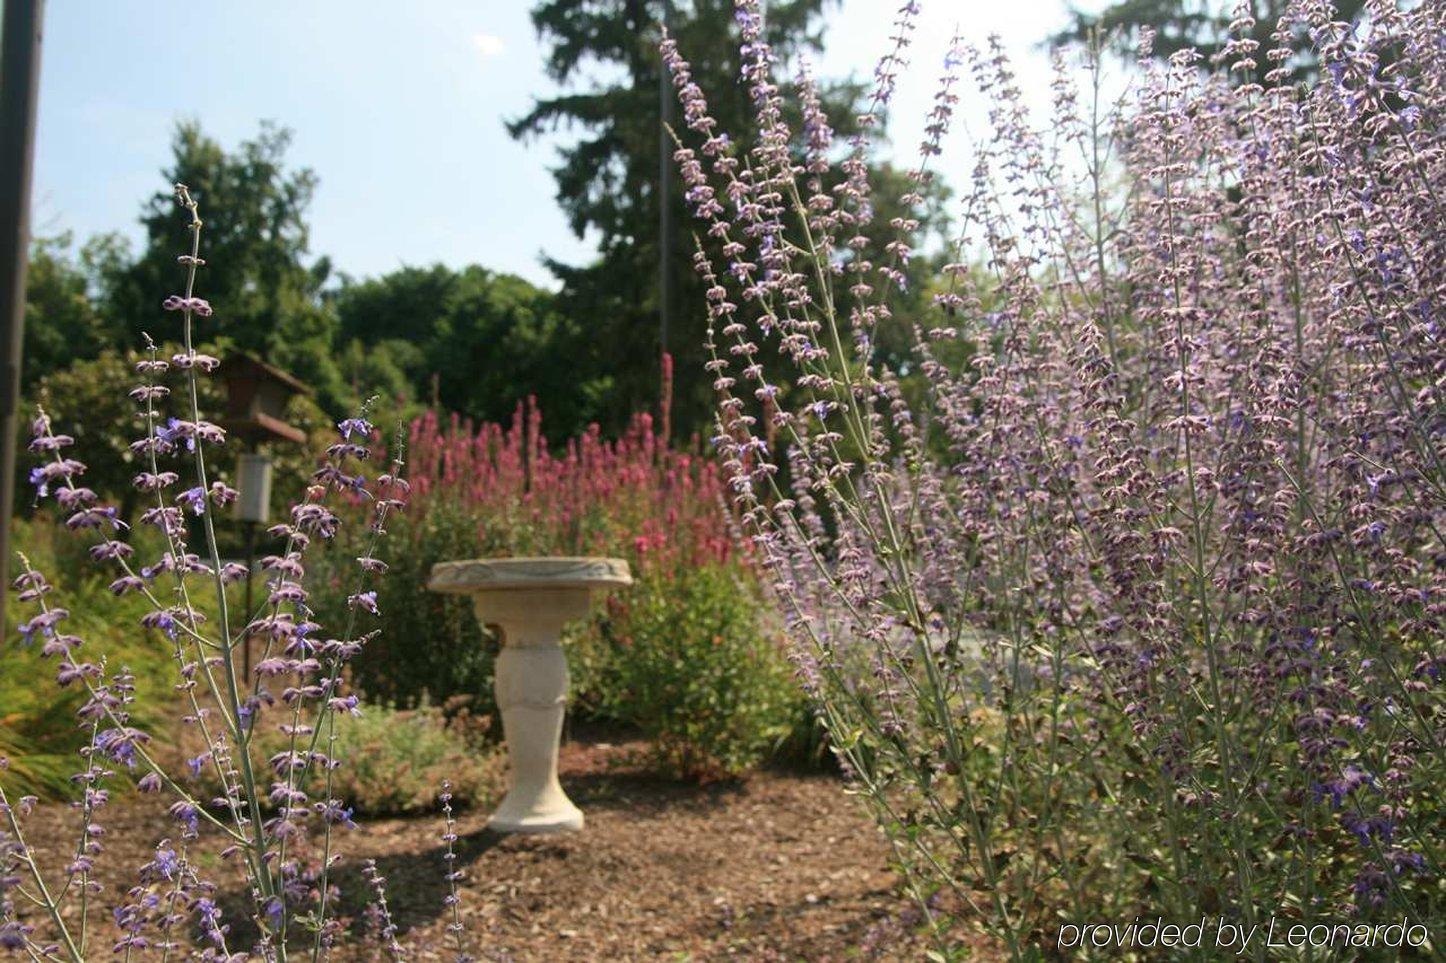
239, 366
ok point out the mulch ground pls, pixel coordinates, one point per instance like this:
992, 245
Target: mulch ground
778, 867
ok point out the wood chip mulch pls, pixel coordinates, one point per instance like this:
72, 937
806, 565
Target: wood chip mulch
777, 867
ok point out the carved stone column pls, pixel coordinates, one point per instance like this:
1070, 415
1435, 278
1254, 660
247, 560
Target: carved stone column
529, 600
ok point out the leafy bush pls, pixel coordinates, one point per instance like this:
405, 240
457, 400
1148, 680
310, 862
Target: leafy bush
685, 658
441, 651
398, 758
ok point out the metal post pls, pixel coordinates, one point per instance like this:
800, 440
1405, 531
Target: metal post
19, 81
253, 508
248, 535
665, 207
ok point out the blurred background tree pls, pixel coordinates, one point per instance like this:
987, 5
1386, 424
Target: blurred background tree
469, 340
63, 322
472, 341
463, 339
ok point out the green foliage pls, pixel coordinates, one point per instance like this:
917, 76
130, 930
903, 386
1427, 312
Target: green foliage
431, 645
476, 341
39, 731
63, 323
397, 760
607, 181
266, 288
472, 340
686, 658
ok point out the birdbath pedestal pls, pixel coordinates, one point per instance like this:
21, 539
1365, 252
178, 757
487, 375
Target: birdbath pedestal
529, 600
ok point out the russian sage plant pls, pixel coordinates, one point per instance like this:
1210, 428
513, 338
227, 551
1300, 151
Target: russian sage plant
1121, 593
272, 822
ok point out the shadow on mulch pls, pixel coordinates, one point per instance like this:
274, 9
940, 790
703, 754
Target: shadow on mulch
643, 792
416, 886
777, 866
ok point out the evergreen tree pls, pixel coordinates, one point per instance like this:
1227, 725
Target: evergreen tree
607, 180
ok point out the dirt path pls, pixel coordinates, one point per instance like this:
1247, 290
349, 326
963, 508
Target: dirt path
780, 867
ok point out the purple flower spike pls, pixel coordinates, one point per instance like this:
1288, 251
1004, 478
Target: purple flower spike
223, 494
42, 624
187, 815
197, 306
164, 620
194, 499
355, 426
364, 600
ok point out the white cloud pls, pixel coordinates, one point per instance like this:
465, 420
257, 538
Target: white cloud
487, 44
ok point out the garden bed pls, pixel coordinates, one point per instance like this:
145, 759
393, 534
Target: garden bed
777, 867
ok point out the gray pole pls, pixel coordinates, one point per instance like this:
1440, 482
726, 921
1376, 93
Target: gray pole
665, 194
19, 81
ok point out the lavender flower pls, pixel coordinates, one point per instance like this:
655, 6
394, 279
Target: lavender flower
1147, 508
263, 828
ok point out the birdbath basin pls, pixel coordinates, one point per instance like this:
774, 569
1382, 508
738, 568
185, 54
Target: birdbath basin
529, 600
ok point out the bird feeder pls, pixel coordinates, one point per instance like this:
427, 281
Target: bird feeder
256, 399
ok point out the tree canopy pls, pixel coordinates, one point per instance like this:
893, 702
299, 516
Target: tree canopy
473, 341
259, 272
64, 319
608, 177
464, 339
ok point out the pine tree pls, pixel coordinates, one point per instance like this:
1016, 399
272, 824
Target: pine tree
607, 180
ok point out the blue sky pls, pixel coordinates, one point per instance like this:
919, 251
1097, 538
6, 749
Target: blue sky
398, 107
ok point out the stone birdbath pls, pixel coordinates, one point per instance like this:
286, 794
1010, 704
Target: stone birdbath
529, 600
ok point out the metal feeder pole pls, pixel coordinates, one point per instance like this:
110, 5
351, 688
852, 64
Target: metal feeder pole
19, 81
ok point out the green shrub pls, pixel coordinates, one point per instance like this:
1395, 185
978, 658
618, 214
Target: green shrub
397, 760
431, 646
688, 661
39, 732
